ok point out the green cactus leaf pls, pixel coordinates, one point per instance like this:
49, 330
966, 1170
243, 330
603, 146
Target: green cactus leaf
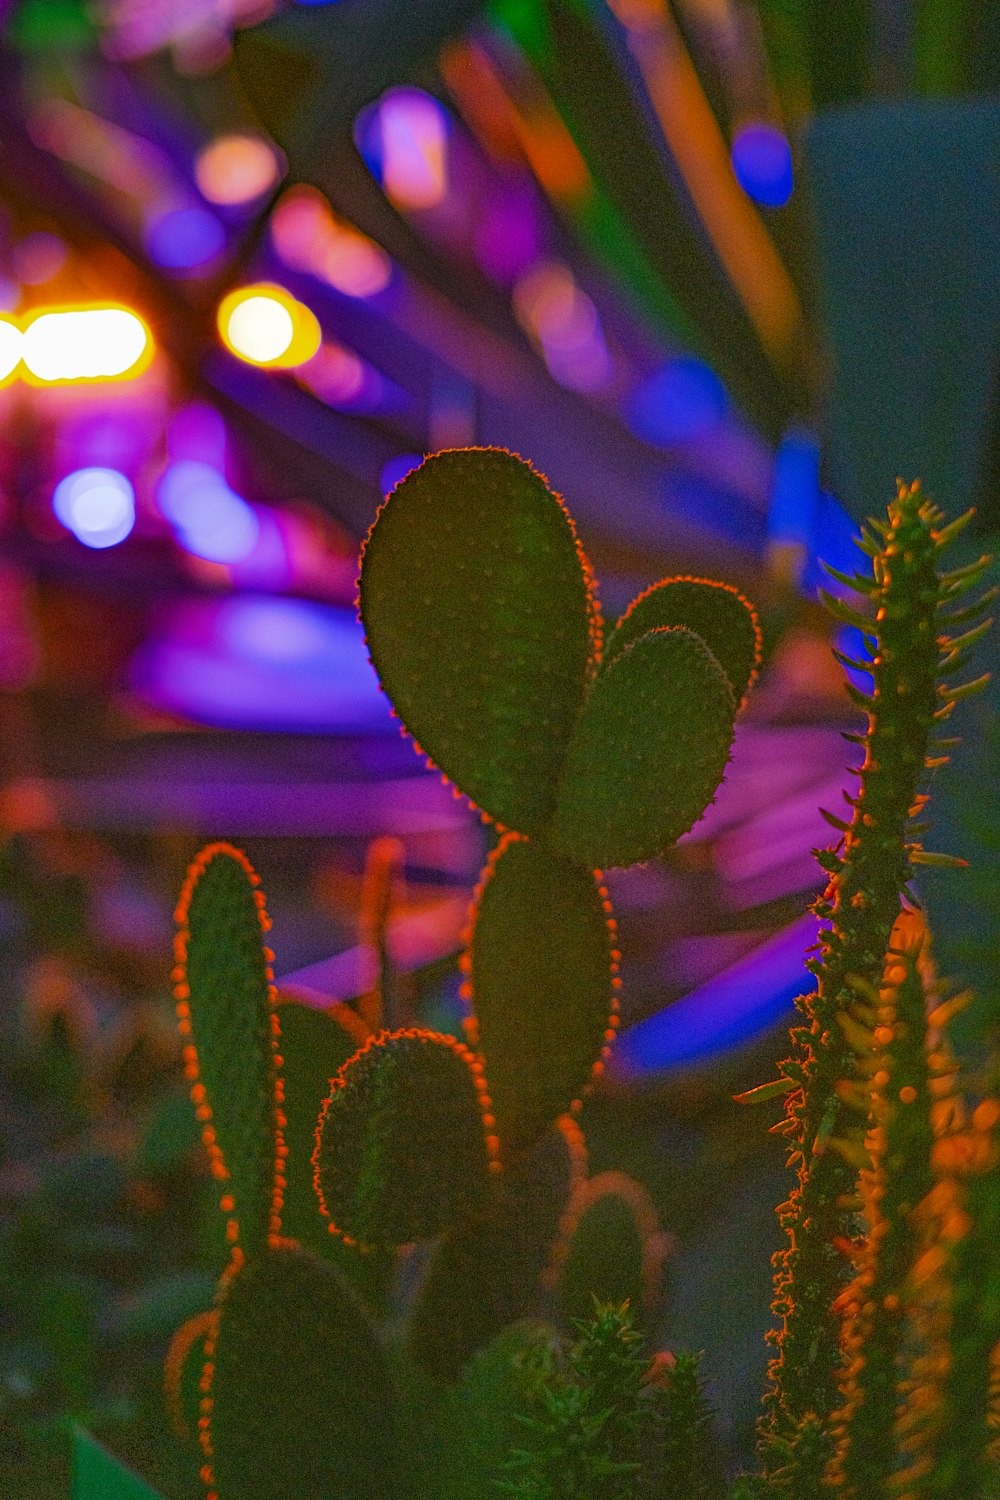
479, 612
542, 985
225, 1015
726, 622
403, 1151
648, 753
611, 1249
303, 1403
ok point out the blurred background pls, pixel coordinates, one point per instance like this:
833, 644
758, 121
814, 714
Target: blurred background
722, 270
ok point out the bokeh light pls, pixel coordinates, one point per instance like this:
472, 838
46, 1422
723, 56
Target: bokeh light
38, 257
681, 400
85, 343
10, 349
310, 237
185, 239
236, 169
397, 469
265, 325
762, 162
559, 316
96, 505
211, 520
404, 140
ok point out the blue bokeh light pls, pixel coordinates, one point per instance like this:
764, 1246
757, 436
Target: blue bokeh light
96, 505
795, 493
212, 521
683, 399
397, 469
185, 239
762, 162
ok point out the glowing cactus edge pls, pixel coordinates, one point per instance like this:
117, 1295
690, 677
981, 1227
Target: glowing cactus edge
513, 1363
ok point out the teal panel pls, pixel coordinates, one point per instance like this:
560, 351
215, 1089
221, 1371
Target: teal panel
98, 1475
906, 206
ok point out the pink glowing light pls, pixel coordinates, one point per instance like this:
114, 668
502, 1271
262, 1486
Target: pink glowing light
406, 144
562, 321
310, 237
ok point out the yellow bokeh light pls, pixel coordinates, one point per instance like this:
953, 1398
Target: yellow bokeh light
236, 169
264, 325
74, 345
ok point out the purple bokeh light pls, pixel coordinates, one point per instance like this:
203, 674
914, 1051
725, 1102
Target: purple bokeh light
762, 162
185, 239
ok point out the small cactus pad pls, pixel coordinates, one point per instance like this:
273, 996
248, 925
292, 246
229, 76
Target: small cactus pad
726, 622
226, 1018
301, 1402
648, 753
611, 1248
478, 607
405, 1145
543, 977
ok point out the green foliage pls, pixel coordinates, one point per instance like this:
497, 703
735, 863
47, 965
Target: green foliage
224, 1003
303, 1398
687, 1461
541, 985
98, 1475
402, 1150
582, 1429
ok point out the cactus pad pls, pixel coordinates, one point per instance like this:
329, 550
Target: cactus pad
225, 1010
726, 622
648, 752
479, 612
300, 1399
611, 1248
405, 1145
543, 977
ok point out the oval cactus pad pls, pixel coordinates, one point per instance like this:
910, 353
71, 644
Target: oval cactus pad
405, 1143
225, 1010
726, 622
648, 753
479, 612
543, 980
301, 1398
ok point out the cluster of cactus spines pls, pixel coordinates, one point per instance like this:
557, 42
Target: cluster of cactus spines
949, 1430
405, 1143
880, 846
896, 1097
582, 1433
224, 992
688, 1462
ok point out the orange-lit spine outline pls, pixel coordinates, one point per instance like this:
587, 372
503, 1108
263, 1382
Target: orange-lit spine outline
729, 588
203, 1109
202, 1326
656, 1244
477, 1071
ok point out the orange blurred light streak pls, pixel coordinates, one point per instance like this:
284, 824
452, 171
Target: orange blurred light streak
692, 133
125, 161
535, 123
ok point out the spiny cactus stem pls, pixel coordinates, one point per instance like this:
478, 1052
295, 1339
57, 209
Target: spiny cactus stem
203, 1109
859, 907
900, 1140
950, 1419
